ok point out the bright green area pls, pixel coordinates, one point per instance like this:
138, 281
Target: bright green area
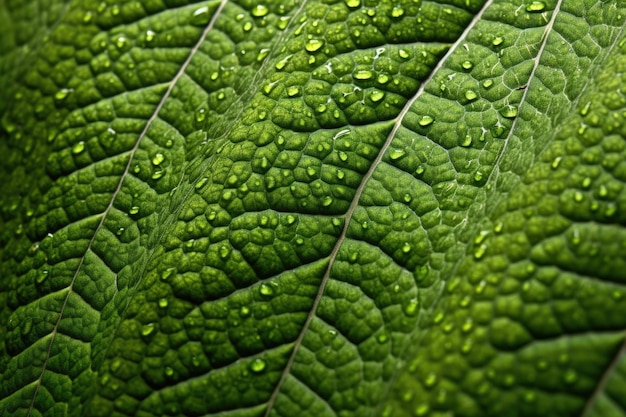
348, 208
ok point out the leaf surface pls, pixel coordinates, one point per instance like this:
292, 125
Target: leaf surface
317, 208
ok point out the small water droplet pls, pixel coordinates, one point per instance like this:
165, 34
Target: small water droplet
425, 121
163, 302
327, 201
150, 36
535, 7
313, 45
467, 65
397, 12
63, 93
353, 3
257, 365
509, 112
363, 75
266, 290
497, 41
260, 10
487, 83
406, 248
377, 95
293, 91
411, 308
147, 329
404, 54
167, 273
471, 95
397, 154
158, 159
78, 147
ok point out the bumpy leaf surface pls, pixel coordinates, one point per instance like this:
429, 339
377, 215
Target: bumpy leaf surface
313, 208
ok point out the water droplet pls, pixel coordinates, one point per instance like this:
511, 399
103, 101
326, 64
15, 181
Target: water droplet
224, 251
471, 95
201, 183
266, 290
147, 329
313, 45
585, 110
282, 63
41, 277
406, 248
478, 176
200, 115
293, 91
353, 3
167, 273
158, 159
343, 156
397, 154
397, 12
535, 7
411, 308
63, 93
425, 121
121, 42
377, 95
163, 302
467, 65
363, 75
78, 147
257, 365
403, 54
169, 371
467, 141
509, 112
382, 338
327, 201
497, 41
200, 15
383, 78
430, 380
260, 11
87, 17
321, 108
487, 83
150, 36
479, 252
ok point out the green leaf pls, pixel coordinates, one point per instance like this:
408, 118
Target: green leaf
313, 208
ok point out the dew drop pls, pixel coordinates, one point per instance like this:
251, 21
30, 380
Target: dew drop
150, 36
327, 201
403, 54
406, 248
411, 308
497, 41
63, 93
167, 273
260, 11
487, 83
147, 329
158, 159
471, 95
293, 91
363, 75
425, 121
382, 78
467, 65
377, 95
397, 154
78, 147
535, 7
257, 365
266, 290
509, 112
244, 311
353, 3
313, 45
163, 302
397, 12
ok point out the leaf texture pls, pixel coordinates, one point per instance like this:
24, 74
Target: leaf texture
312, 208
